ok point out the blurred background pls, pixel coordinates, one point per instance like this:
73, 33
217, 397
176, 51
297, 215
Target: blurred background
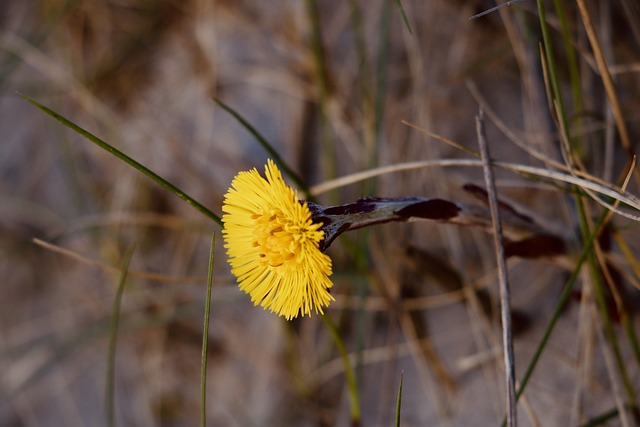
337, 87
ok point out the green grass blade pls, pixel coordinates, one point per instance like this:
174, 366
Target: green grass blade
354, 399
561, 115
11, 60
266, 145
610, 333
205, 337
627, 320
572, 63
322, 81
399, 401
113, 339
65, 349
564, 297
382, 67
361, 49
629, 328
602, 418
403, 14
119, 154
552, 72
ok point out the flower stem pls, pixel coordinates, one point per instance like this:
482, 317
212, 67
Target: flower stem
354, 399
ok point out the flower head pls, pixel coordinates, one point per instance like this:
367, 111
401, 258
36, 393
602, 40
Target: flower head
273, 245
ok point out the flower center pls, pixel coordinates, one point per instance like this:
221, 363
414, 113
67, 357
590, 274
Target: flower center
276, 239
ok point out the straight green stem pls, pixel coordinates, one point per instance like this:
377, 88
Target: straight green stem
205, 336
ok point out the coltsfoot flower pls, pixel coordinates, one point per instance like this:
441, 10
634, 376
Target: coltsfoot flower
276, 242
274, 245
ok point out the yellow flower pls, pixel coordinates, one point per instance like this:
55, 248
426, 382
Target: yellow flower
273, 245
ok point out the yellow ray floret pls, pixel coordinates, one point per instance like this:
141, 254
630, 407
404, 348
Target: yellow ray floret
273, 245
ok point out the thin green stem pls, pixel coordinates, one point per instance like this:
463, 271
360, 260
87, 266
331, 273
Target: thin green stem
205, 336
323, 82
609, 330
584, 223
113, 339
564, 297
382, 68
587, 234
119, 154
552, 71
572, 59
399, 401
602, 418
354, 399
403, 14
627, 324
266, 145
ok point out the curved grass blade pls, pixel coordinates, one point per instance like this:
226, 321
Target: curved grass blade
113, 338
627, 199
119, 154
205, 337
266, 145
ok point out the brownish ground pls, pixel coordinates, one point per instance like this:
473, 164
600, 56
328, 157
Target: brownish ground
142, 75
